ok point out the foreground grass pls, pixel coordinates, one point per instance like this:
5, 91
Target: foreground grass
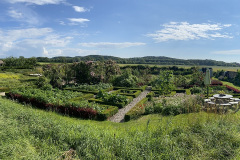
28, 133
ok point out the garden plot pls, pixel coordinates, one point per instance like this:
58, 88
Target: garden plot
65, 102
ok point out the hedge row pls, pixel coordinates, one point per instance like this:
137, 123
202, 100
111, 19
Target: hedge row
109, 112
134, 95
232, 89
91, 92
141, 89
85, 113
136, 111
119, 105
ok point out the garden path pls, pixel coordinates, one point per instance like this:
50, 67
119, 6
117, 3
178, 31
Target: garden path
119, 117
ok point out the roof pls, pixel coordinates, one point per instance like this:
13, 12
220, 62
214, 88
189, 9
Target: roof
1, 62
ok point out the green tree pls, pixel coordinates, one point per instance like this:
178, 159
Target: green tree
126, 79
164, 82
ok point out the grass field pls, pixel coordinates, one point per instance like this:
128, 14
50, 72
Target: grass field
28, 133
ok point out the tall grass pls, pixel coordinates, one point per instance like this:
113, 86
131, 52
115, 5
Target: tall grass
27, 133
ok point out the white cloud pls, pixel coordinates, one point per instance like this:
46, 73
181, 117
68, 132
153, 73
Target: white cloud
228, 52
186, 31
31, 41
24, 15
77, 21
80, 9
37, 2
112, 45
52, 52
15, 14
67, 52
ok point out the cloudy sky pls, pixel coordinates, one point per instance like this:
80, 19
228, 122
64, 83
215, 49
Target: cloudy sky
188, 29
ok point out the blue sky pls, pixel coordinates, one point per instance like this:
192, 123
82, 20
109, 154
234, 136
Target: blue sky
187, 29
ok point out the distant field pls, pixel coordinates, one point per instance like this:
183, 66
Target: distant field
215, 68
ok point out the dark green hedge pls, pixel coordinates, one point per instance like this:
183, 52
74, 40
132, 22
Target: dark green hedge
136, 111
91, 92
180, 90
109, 112
119, 105
126, 88
134, 95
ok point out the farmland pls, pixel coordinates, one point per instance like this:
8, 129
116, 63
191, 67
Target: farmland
67, 113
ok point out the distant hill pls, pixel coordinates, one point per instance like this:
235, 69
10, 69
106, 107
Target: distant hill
160, 60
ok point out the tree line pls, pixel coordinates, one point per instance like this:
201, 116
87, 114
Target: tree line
160, 60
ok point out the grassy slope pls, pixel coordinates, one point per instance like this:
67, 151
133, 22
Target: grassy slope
28, 133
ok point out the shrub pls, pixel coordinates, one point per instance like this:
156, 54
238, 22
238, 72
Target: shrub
195, 90
157, 108
172, 110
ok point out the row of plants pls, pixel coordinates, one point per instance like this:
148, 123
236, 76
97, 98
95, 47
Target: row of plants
128, 92
65, 102
232, 89
93, 87
142, 88
59, 97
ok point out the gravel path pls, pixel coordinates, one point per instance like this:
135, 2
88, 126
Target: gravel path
119, 117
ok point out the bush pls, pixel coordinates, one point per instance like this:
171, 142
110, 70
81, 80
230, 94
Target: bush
172, 110
195, 90
157, 108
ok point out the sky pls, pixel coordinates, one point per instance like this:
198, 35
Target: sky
185, 29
